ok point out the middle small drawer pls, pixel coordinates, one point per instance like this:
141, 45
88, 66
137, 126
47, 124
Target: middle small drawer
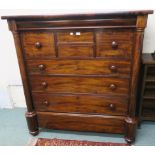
84, 67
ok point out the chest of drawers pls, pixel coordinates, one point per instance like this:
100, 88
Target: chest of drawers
80, 72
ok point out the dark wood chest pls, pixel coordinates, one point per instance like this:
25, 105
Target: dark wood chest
80, 72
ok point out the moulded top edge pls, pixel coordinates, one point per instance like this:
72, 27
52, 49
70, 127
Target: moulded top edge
79, 15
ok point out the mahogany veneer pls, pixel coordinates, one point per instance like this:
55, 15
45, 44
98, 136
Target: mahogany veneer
80, 72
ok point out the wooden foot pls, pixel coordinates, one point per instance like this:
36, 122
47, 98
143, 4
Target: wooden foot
32, 123
131, 126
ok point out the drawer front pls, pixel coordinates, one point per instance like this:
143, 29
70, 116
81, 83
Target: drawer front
85, 67
80, 85
105, 49
81, 122
114, 43
80, 104
75, 36
75, 50
38, 44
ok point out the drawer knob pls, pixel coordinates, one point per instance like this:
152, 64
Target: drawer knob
41, 67
113, 68
38, 45
112, 86
44, 84
46, 103
114, 44
112, 106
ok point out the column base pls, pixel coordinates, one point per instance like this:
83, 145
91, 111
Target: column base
131, 126
32, 123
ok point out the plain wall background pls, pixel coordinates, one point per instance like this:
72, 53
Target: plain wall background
11, 92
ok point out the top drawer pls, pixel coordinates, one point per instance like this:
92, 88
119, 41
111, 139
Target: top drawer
75, 36
38, 44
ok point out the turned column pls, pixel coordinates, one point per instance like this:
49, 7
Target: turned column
31, 115
131, 120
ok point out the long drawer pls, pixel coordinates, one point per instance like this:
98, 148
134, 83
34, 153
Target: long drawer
67, 84
85, 67
92, 104
81, 122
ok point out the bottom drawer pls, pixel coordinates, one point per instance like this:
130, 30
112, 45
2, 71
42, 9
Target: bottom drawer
81, 122
93, 104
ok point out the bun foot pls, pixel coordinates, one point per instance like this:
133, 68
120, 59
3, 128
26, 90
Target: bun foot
129, 141
34, 133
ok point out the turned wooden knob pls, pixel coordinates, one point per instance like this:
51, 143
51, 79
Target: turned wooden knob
113, 68
76, 67
44, 84
112, 106
41, 67
112, 86
46, 103
38, 45
114, 44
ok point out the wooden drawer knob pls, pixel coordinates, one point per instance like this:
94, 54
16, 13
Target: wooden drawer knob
44, 84
41, 67
113, 68
114, 44
112, 106
38, 45
46, 103
112, 86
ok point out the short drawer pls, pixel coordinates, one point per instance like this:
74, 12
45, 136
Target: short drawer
68, 84
122, 50
80, 67
80, 104
74, 36
38, 44
75, 50
114, 43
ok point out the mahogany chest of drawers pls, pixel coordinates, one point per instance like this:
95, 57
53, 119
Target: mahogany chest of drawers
80, 72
